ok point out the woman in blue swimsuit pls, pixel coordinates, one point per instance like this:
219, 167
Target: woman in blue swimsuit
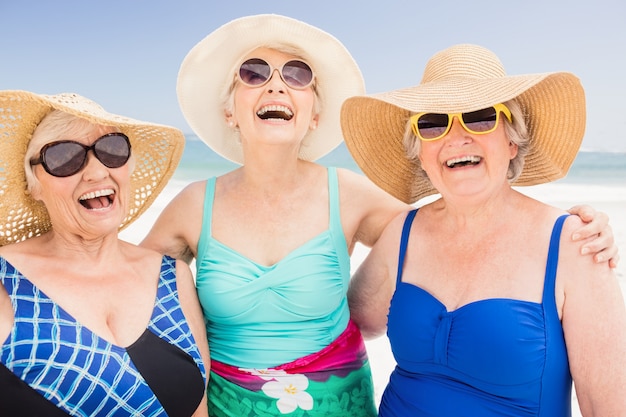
90, 325
489, 306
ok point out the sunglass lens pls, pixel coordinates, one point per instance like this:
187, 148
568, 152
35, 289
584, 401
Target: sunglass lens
112, 150
297, 74
481, 120
254, 71
432, 125
64, 158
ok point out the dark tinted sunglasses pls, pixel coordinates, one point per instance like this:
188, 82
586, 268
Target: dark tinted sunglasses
67, 157
434, 126
256, 72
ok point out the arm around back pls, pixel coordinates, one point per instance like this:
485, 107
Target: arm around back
374, 282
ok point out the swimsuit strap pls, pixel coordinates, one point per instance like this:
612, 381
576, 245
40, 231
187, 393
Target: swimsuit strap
404, 241
207, 219
333, 200
552, 263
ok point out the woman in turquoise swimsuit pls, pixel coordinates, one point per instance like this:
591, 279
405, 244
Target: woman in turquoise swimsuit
488, 305
272, 239
90, 325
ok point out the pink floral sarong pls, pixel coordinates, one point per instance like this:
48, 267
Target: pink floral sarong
336, 381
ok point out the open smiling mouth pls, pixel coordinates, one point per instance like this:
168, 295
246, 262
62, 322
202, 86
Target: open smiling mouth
97, 200
275, 112
463, 161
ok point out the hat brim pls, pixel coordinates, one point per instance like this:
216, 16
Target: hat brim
209, 68
157, 149
554, 106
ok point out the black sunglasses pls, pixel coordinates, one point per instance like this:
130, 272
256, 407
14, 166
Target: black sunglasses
67, 157
256, 72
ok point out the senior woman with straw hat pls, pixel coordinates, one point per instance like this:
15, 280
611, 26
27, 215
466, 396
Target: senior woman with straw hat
491, 308
90, 325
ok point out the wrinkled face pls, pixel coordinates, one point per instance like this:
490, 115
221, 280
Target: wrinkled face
90, 203
274, 112
462, 163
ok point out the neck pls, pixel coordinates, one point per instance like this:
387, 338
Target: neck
275, 168
473, 213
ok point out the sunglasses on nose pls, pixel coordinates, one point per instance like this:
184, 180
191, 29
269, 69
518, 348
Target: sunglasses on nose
67, 157
256, 72
433, 126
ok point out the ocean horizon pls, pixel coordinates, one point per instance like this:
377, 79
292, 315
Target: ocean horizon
590, 167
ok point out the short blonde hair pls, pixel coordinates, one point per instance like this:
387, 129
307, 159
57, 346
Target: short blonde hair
56, 125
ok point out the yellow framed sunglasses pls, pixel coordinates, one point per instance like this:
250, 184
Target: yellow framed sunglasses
434, 126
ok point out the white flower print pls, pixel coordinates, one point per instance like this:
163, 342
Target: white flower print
290, 391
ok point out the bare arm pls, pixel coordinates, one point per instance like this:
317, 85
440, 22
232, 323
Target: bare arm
177, 229
193, 314
594, 324
373, 283
602, 245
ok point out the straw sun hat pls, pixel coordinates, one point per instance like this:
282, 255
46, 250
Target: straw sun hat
209, 68
465, 78
157, 150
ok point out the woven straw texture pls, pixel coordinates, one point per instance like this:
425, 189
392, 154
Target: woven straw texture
157, 150
465, 78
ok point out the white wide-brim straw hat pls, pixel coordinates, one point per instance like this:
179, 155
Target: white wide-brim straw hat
465, 78
157, 149
209, 69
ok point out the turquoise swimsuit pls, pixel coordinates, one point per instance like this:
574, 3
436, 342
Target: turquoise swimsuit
262, 316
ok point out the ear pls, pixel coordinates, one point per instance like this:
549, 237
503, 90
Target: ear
513, 148
419, 157
230, 119
314, 122
35, 191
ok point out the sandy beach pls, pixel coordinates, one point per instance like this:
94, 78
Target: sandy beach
609, 199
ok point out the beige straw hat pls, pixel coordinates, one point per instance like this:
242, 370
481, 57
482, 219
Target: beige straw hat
157, 150
465, 78
208, 70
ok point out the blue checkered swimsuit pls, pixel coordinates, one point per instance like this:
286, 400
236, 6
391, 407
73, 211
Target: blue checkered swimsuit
52, 365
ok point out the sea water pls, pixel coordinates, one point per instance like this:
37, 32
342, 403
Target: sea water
599, 168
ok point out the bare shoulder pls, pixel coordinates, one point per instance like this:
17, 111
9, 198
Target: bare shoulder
365, 208
359, 189
177, 229
140, 254
192, 192
19, 252
355, 181
570, 250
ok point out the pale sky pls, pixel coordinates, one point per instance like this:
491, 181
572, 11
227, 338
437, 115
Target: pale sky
125, 54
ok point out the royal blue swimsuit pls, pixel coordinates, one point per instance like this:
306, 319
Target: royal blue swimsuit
493, 357
51, 365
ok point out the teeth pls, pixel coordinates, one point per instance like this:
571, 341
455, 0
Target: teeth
96, 194
463, 160
275, 108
